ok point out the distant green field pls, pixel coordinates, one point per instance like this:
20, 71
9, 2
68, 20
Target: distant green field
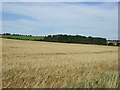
33, 38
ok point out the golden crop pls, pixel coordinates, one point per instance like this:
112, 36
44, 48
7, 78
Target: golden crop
33, 64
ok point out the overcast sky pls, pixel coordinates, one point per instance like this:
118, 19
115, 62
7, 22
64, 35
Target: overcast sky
99, 19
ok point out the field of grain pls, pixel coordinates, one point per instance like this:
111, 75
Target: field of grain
35, 64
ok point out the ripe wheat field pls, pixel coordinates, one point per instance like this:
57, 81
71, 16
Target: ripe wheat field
33, 64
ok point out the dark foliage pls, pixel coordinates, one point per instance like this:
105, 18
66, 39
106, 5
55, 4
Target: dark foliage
6, 34
76, 39
110, 44
62, 38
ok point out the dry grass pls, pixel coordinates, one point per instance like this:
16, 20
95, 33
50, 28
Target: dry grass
31, 64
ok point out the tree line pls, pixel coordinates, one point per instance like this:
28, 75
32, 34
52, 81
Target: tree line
15, 34
64, 39
76, 39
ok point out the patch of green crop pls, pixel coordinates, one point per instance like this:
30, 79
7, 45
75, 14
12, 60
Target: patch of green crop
103, 81
33, 38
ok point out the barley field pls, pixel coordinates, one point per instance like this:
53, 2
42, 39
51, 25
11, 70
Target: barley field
34, 64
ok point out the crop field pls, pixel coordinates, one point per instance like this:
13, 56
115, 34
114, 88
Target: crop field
38, 64
33, 38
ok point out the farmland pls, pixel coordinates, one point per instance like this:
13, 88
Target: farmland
35, 38
33, 64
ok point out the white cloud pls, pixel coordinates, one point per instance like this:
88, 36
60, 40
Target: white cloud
97, 20
60, 0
